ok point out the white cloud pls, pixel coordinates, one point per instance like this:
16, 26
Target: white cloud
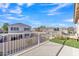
61, 25
27, 19
20, 4
21, 15
5, 15
68, 20
58, 24
30, 4
31, 20
4, 10
54, 13
4, 5
10, 17
59, 7
47, 4
4, 21
17, 10
14, 18
17, 18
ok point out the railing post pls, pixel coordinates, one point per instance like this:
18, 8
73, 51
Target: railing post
38, 39
3, 45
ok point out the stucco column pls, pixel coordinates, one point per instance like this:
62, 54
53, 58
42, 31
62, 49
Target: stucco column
77, 30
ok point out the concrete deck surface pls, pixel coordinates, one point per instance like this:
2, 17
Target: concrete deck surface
51, 49
47, 49
69, 51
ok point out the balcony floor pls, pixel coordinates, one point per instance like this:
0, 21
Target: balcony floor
49, 49
45, 49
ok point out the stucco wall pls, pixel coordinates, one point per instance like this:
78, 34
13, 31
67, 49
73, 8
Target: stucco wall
21, 29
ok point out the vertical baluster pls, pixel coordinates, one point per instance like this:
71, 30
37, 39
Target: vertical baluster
19, 43
6, 45
1, 45
23, 41
38, 38
15, 43
10, 44
26, 44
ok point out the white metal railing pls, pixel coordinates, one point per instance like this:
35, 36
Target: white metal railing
14, 42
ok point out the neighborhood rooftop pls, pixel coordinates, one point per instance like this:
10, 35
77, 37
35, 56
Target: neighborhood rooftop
20, 24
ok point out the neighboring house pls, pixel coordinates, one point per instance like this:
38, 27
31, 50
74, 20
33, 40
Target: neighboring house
57, 31
18, 28
71, 30
64, 30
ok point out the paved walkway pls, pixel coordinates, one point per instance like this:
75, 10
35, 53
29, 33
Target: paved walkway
51, 49
69, 51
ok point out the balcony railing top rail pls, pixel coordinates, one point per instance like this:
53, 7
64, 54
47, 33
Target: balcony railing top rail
22, 33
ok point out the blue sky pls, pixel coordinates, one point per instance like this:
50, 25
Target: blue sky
37, 14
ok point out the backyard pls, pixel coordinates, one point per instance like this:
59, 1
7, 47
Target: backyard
66, 41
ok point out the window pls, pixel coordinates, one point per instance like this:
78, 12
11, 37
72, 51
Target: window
17, 28
25, 29
11, 28
14, 28
56, 29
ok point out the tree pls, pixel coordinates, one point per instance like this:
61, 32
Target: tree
40, 28
5, 27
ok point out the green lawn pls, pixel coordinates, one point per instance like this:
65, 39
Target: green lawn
65, 41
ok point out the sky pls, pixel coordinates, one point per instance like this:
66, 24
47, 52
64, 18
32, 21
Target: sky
37, 14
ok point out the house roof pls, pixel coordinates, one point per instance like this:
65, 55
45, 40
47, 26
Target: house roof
20, 24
